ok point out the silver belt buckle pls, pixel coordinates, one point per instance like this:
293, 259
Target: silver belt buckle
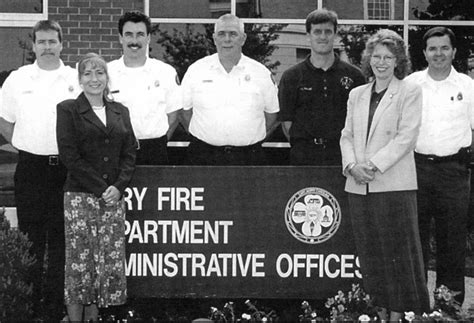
53, 160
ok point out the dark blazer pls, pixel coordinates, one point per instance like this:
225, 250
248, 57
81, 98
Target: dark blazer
95, 155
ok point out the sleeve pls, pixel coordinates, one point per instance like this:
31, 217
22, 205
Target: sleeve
287, 97
127, 155
347, 134
186, 89
407, 132
359, 78
68, 145
471, 103
173, 93
9, 104
270, 94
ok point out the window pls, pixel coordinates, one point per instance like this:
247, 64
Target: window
24, 13
378, 9
16, 20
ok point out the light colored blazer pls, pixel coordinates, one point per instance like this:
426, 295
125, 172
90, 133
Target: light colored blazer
391, 140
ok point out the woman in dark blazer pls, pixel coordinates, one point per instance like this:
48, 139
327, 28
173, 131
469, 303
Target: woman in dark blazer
97, 144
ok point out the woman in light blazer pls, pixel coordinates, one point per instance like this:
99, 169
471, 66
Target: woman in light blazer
377, 144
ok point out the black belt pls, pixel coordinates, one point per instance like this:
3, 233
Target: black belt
50, 160
320, 142
227, 148
462, 156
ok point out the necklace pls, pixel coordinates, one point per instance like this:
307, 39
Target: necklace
98, 108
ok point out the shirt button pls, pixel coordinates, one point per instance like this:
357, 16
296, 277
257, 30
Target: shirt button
106, 159
107, 141
325, 88
105, 176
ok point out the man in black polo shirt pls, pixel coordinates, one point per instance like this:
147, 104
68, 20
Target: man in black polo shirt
313, 96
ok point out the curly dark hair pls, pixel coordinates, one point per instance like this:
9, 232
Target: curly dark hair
134, 16
395, 44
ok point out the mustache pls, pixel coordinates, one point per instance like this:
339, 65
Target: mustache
134, 44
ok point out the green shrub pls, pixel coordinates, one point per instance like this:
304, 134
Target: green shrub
15, 261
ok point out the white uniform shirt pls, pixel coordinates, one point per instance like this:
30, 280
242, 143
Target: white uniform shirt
228, 108
30, 96
448, 113
149, 92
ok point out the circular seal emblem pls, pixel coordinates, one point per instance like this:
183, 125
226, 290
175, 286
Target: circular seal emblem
312, 215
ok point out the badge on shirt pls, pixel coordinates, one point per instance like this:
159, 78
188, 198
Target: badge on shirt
346, 82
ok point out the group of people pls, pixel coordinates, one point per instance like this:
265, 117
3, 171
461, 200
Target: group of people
404, 143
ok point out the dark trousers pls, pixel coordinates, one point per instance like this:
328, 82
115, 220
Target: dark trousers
201, 153
443, 195
152, 151
39, 184
307, 152
388, 244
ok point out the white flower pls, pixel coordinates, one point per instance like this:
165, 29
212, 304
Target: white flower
364, 318
246, 316
436, 314
409, 316
264, 319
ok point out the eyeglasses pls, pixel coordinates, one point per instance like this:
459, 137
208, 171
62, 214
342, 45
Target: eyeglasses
378, 58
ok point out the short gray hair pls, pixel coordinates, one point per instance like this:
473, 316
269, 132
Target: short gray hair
230, 17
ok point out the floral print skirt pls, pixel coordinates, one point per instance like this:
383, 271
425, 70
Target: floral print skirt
95, 251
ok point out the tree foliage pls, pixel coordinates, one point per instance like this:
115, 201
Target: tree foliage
15, 262
184, 47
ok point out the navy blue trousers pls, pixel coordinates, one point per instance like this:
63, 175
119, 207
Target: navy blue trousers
443, 196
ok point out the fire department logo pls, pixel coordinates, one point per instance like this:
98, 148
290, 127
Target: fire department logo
312, 215
347, 82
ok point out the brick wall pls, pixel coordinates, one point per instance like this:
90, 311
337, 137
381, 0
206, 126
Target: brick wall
90, 26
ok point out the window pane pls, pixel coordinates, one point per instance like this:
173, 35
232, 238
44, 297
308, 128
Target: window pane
288, 9
188, 8
378, 9
16, 49
23, 6
442, 10
373, 9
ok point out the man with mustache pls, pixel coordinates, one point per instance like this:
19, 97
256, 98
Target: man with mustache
148, 87
442, 156
28, 121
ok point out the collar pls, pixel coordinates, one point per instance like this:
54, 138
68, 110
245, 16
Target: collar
453, 76
85, 106
37, 70
147, 66
314, 68
216, 64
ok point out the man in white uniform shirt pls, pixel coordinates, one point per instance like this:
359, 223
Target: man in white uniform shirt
148, 87
442, 157
230, 101
28, 121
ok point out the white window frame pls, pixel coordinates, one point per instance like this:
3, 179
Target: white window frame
12, 19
